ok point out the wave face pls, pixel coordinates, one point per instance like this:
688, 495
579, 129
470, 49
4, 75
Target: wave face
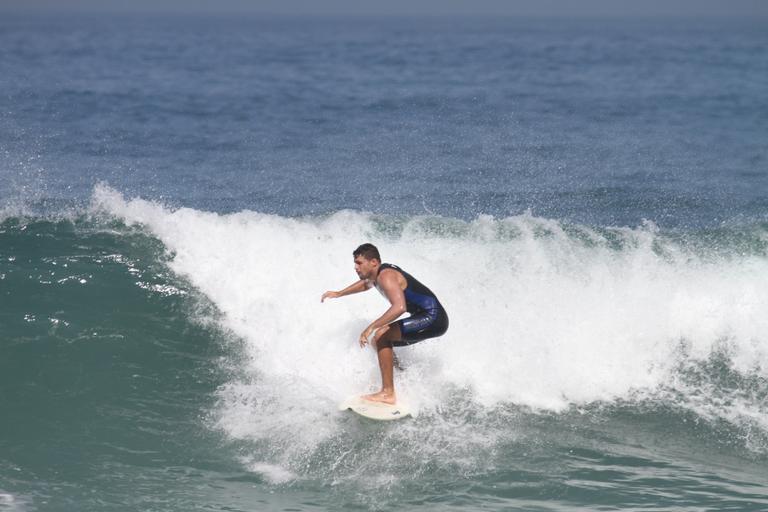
574, 354
543, 314
550, 323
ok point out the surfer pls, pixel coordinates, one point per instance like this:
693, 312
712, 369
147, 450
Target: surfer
428, 318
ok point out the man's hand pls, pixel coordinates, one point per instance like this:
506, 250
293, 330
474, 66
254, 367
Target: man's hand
330, 295
365, 336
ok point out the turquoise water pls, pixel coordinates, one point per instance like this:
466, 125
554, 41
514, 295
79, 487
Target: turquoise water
587, 199
124, 388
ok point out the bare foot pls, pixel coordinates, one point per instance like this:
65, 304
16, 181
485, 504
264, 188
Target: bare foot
386, 397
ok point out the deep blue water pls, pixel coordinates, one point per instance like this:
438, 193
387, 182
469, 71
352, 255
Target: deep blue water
588, 198
603, 122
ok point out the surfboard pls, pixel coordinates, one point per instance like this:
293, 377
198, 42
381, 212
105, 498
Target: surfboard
375, 410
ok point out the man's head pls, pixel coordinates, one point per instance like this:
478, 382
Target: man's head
367, 261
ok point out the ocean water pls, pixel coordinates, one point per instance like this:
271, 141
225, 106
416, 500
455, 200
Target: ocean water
589, 200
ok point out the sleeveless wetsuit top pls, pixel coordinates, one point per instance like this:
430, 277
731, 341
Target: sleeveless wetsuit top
428, 318
418, 298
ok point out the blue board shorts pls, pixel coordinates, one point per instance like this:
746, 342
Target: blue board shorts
421, 326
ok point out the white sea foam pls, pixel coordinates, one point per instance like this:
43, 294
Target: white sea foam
13, 503
272, 473
539, 316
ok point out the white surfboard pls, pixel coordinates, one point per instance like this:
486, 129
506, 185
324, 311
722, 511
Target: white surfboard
375, 410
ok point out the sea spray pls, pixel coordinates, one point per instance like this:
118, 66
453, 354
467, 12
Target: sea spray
543, 314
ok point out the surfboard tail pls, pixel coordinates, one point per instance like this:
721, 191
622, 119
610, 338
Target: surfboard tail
375, 410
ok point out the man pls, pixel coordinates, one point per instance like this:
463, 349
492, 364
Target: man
428, 318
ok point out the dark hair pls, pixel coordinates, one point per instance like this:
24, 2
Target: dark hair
367, 251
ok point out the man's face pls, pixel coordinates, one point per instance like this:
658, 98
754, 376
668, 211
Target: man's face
365, 268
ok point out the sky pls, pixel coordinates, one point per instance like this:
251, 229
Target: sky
554, 8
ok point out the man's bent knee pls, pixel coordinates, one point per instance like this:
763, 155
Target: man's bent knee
389, 336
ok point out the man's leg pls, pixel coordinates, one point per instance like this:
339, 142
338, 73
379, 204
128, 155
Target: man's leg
383, 343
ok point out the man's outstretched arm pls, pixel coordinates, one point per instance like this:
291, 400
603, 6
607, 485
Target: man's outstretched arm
357, 287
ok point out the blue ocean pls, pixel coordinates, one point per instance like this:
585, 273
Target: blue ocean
587, 198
